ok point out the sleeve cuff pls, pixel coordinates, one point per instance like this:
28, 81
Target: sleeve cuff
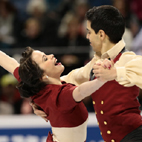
121, 73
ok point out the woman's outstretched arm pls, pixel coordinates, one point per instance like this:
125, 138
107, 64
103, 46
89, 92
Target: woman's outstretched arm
7, 62
86, 89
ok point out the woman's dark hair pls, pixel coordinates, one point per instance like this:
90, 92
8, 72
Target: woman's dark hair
108, 19
30, 75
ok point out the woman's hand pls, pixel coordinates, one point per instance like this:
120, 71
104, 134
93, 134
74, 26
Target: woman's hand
105, 70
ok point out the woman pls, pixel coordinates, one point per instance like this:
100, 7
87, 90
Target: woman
39, 77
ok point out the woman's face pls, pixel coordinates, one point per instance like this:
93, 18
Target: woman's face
48, 63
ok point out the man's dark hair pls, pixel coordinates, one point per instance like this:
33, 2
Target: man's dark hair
30, 75
108, 19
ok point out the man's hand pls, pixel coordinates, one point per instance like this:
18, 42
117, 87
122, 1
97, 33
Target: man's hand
38, 111
105, 70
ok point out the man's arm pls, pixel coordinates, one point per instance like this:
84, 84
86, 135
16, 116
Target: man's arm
80, 75
129, 70
8, 63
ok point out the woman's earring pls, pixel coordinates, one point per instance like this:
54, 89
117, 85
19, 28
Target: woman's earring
46, 76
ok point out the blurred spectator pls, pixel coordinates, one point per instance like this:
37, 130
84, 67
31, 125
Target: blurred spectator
73, 37
128, 37
136, 8
20, 6
136, 29
134, 25
123, 7
53, 4
9, 94
25, 107
10, 100
72, 40
38, 9
6, 108
10, 25
99, 2
64, 7
80, 8
32, 35
72, 33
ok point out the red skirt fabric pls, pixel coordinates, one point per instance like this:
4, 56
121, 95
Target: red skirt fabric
49, 138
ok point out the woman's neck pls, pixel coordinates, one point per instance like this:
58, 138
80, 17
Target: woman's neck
54, 81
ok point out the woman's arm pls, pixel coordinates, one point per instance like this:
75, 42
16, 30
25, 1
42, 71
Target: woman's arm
7, 62
86, 89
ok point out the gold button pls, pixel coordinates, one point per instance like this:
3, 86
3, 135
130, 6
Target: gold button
108, 132
102, 102
112, 140
105, 122
98, 123
93, 102
101, 133
102, 112
95, 112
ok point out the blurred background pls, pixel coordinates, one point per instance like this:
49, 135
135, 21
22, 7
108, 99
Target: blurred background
58, 27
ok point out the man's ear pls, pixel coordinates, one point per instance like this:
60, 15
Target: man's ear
102, 34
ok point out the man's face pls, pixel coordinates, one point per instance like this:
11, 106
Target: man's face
93, 38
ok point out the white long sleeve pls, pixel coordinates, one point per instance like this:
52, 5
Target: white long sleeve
129, 70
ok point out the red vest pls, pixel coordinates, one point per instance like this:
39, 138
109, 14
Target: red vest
117, 110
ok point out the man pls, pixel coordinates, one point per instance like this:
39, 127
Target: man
116, 106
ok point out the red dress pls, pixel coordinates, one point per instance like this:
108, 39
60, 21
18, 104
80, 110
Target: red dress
58, 103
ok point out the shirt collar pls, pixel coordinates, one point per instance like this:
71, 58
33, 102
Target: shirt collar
114, 51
